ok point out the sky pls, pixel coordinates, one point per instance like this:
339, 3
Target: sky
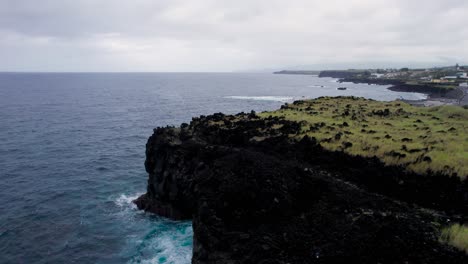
219, 35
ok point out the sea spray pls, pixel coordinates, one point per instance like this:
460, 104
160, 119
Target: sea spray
165, 242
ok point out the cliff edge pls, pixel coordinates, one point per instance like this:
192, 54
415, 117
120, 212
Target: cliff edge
259, 190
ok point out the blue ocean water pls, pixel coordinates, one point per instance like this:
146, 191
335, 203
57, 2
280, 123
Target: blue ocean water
72, 150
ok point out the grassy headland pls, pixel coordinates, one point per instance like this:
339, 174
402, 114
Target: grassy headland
432, 139
273, 186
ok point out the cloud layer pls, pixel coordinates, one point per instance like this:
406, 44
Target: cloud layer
218, 35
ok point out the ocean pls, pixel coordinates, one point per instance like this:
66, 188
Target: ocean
72, 151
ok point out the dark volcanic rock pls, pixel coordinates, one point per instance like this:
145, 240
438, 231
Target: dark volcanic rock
257, 196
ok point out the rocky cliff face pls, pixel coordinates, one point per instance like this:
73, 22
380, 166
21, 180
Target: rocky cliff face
257, 196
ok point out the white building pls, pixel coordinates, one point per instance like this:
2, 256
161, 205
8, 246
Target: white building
377, 75
462, 75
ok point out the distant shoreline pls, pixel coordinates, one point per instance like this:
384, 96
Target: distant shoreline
313, 73
435, 95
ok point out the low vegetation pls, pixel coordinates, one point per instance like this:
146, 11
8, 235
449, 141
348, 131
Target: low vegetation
421, 139
456, 235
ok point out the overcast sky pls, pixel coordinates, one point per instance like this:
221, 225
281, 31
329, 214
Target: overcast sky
218, 35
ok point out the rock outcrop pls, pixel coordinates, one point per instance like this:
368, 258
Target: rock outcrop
257, 196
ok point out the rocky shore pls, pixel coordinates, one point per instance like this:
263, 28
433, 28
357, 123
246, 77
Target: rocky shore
436, 95
256, 193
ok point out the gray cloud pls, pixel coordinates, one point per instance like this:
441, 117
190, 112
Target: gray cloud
216, 35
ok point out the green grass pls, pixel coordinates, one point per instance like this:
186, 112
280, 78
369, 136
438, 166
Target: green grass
420, 139
456, 235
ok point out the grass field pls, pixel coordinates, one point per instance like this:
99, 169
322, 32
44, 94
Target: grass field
456, 235
420, 139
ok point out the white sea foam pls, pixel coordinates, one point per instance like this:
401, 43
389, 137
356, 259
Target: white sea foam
171, 246
170, 253
126, 200
419, 96
263, 98
167, 242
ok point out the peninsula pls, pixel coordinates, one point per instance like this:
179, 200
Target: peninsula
317, 181
443, 85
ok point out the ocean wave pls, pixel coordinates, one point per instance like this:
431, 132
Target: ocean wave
419, 96
165, 241
262, 98
170, 245
126, 201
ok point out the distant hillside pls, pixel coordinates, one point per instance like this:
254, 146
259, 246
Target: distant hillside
330, 73
341, 74
298, 72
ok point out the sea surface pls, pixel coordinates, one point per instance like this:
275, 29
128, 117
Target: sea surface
72, 151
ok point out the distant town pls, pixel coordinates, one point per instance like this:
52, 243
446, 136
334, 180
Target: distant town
446, 84
450, 76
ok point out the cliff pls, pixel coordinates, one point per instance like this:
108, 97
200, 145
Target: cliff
258, 191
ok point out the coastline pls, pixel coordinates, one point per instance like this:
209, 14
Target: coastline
435, 96
275, 185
